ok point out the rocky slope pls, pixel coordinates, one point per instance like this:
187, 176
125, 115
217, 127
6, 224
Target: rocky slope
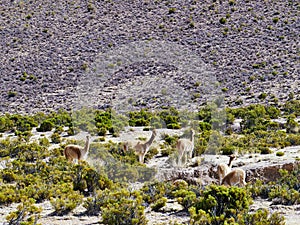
48, 48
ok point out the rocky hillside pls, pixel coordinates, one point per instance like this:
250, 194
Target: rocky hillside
49, 47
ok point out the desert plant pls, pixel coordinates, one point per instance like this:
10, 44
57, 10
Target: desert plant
222, 20
222, 205
158, 204
12, 94
64, 199
26, 214
280, 153
123, 208
185, 197
44, 142
55, 138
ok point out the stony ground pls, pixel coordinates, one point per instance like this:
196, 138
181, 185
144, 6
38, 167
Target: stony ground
50, 49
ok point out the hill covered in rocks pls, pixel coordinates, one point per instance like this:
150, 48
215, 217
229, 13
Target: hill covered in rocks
48, 48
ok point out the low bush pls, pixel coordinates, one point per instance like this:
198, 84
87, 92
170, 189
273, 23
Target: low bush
280, 153
185, 197
158, 204
123, 208
64, 199
26, 214
284, 191
229, 205
46, 125
264, 150
55, 138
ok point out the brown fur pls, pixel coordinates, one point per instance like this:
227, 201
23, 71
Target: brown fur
224, 169
185, 146
77, 152
235, 177
142, 149
72, 152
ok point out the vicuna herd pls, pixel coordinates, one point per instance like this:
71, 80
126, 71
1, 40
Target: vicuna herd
184, 146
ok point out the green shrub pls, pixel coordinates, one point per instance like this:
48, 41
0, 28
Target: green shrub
223, 20
12, 94
264, 150
170, 140
154, 191
172, 10
221, 200
279, 153
29, 152
223, 205
262, 96
8, 176
291, 107
5, 123
185, 197
26, 214
55, 138
87, 180
167, 151
64, 199
123, 208
102, 131
275, 19
231, 2
263, 216
258, 188
151, 153
93, 205
227, 149
158, 204
46, 125
44, 142
8, 194
173, 126
284, 191
205, 126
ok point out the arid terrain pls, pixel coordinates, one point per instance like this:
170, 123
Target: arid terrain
251, 163
55, 52
138, 54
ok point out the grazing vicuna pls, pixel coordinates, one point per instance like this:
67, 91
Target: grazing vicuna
235, 177
76, 152
185, 146
224, 169
141, 149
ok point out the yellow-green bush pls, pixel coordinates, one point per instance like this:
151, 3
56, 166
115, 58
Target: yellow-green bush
26, 214
159, 203
64, 199
124, 208
228, 205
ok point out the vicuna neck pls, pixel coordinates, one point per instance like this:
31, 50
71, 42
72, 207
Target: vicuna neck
149, 142
87, 145
192, 139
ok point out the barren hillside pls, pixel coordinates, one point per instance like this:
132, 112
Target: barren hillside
49, 47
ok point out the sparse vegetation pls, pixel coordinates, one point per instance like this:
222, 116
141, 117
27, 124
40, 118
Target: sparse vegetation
65, 184
48, 50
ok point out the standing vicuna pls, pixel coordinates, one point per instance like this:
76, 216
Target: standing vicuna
141, 149
77, 152
185, 146
235, 177
224, 169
